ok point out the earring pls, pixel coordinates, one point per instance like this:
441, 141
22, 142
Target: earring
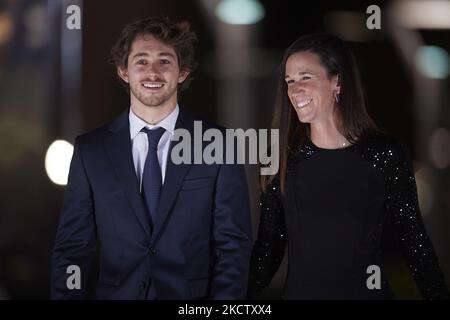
336, 97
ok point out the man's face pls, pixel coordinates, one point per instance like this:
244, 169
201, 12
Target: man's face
153, 73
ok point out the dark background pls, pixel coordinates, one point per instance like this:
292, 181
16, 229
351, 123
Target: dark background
36, 108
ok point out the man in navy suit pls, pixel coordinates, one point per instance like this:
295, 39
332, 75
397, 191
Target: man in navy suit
161, 230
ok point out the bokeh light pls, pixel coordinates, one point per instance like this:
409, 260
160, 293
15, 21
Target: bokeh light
57, 161
240, 11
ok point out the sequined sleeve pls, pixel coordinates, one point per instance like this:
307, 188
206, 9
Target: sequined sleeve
268, 250
403, 208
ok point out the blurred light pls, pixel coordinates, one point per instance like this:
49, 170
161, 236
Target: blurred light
6, 28
57, 161
430, 14
347, 25
240, 11
28, 139
432, 62
440, 148
35, 20
424, 191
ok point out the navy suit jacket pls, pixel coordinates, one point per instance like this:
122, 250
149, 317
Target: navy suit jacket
199, 245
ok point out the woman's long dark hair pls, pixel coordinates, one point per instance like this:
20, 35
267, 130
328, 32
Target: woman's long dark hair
355, 122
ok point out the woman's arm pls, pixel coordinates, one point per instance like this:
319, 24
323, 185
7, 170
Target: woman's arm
403, 208
268, 250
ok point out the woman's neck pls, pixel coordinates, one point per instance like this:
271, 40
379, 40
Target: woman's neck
326, 135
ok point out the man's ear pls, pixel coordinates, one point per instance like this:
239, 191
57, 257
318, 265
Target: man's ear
123, 74
182, 76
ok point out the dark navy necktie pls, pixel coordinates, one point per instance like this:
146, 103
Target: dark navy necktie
151, 176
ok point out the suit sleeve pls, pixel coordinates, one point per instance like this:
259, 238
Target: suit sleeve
76, 235
231, 234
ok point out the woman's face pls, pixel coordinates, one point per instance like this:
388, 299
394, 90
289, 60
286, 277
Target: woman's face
310, 90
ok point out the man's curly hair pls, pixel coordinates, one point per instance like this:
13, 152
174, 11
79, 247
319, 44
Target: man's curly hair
178, 35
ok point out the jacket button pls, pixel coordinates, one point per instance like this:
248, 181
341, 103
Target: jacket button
153, 251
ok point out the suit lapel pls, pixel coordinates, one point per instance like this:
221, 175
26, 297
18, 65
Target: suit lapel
118, 146
174, 178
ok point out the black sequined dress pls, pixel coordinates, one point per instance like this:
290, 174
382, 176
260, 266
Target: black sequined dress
331, 217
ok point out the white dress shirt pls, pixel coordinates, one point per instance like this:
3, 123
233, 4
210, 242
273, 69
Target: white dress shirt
139, 141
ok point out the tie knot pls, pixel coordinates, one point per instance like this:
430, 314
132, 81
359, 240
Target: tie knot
153, 136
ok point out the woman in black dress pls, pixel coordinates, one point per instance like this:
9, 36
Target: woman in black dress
340, 180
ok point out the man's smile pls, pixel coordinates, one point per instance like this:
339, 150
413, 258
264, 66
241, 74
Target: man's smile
152, 86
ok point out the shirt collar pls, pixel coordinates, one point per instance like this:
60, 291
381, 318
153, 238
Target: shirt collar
168, 123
